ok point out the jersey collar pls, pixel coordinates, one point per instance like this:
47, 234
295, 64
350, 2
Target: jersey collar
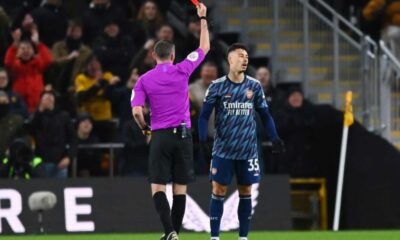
235, 83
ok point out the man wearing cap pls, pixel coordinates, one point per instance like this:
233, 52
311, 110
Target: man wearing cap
165, 88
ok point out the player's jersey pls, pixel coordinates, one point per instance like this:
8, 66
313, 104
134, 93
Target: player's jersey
235, 126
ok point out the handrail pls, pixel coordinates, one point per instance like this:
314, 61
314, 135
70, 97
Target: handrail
101, 145
342, 19
110, 146
389, 54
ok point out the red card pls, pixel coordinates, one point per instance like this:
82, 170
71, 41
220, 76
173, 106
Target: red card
195, 2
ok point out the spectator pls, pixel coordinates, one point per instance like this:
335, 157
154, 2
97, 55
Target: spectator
114, 50
20, 162
388, 11
121, 98
99, 13
93, 88
54, 137
20, 11
70, 55
264, 76
88, 159
149, 19
27, 67
17, 106
198, 89
51, 21
27, 26
4, 31
143, 60
295, 123
10, 124
381, 15
166, 32
133, 6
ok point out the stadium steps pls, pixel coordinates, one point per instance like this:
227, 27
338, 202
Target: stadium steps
259, 29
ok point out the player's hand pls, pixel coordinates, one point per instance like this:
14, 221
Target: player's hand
146, 130
201, 10
278, 146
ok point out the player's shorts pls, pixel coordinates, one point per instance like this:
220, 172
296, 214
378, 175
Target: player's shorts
222, 170
171, 157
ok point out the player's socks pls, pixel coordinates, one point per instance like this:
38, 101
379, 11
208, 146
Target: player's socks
244, 213
163, 210
178, 211
243, 238
216, 210
214, 238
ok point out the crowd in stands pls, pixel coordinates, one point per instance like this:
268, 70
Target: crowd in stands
67, 76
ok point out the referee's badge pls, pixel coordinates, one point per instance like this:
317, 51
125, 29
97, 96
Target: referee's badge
249, 94
193, 56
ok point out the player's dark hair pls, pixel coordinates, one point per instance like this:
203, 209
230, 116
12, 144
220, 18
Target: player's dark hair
235, 46
164, 49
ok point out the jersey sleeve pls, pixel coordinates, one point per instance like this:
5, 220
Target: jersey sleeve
211, 94
138, 97
192, 61
259, 98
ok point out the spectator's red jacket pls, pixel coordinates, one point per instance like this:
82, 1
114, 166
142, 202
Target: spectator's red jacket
28, 76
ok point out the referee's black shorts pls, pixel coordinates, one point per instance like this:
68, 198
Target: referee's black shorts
171, 157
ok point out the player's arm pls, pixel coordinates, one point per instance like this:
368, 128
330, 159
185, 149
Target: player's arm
138, 100
138, 115
194, 59
261, 107
208, 105
268, 122
204, 33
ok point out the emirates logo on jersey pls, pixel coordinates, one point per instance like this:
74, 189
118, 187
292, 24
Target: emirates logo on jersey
249, 94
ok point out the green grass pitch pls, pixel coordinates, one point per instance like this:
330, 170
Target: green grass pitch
343, 235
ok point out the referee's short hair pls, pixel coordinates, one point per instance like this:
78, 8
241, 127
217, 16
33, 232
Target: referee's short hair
235, 46
164, 49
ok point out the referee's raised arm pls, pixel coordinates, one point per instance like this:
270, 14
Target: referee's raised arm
204, 34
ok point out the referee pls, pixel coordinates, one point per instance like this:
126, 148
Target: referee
165, 88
